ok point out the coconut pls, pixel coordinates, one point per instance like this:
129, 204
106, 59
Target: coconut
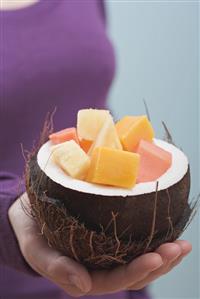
102, 226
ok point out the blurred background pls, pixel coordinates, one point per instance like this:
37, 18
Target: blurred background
157, 51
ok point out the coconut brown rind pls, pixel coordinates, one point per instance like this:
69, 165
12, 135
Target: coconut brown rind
95, 250
109, 245
134, 214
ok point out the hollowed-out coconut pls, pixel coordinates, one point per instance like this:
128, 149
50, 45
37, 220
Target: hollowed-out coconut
102, 226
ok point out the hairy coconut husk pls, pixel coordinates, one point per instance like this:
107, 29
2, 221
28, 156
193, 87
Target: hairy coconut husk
96, 250
102, 247
134, 214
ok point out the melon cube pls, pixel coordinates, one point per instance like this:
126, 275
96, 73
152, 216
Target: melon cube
154, 161
72, 159
113, 167
107, 137
64, 135
89, 122
131, 129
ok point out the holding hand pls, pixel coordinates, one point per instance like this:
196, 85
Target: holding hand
74, 278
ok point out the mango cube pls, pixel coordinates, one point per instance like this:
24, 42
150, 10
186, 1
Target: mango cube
154, 161
113, 167
131, 129
72, 159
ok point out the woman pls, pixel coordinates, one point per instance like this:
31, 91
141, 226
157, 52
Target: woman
55, 53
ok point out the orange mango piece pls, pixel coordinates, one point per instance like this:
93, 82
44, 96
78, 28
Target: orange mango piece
131, 129
113, 167
64, 135
85, 144
154, 161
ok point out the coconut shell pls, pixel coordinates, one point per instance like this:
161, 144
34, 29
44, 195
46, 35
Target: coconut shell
102, 232
95, 250
158, 218
134, 214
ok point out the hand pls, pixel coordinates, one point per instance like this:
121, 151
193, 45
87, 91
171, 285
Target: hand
74, 278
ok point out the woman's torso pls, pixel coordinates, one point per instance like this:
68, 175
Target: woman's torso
54, 54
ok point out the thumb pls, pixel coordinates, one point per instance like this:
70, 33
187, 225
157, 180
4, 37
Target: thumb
62, 270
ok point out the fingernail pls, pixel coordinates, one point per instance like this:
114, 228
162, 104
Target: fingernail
75, 281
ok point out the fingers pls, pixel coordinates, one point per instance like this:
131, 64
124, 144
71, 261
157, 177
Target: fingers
186, 247
168, 252
119, 278
172, 254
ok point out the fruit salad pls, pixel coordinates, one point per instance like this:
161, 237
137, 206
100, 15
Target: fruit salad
100, 151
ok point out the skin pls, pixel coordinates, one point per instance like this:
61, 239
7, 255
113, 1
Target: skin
16, 4
74, 278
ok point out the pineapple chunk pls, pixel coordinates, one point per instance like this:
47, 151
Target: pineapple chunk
90, 122
107, 137
72, 159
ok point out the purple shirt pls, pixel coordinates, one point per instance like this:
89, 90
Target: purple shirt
53, 53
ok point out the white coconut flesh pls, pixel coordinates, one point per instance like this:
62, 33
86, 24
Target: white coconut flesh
172, 176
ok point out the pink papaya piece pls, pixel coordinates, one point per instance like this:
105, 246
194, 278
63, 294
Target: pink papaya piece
64, 135
154, 161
